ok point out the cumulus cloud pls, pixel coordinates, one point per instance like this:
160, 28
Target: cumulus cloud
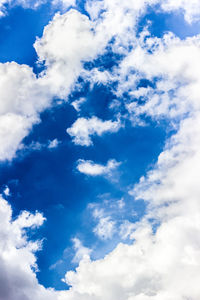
64, 60
164, 255
82, 130
88, 167
24, 96
163, 68
17, 256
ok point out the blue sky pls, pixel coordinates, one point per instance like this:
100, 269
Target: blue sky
104, 181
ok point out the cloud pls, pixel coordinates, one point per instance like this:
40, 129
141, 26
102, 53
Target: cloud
53, 144
24, 95
64, 4
105, 228
81, 252
105, 225
64, 61
17, 256
6, 191
77, 103
189, 8
82, 130
153, 59
88, 167
5, 5
165, 254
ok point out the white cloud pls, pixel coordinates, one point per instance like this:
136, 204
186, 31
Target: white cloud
83, 129
81, 252
17, 256
191, 9
164, 67
13, 128
127, 230
64, 4
162, 265
88, 167
165, 264
24, 96
105, 228
77, 103
6, 191
53, 144
64, 62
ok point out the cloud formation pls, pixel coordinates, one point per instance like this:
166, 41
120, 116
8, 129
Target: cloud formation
81, 252
24, 95
82, 130
17, 256
88, 167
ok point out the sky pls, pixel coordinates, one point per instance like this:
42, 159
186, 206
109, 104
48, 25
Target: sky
99, 149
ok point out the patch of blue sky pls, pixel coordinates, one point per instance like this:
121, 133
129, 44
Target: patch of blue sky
49, 182
18, 32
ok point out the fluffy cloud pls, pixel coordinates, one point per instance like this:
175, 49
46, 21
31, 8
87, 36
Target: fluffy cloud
26, 95
154, 267
165, 254
163, 262
83, 129
67, 42
23, 96
161, 62
88, 167
17, 256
